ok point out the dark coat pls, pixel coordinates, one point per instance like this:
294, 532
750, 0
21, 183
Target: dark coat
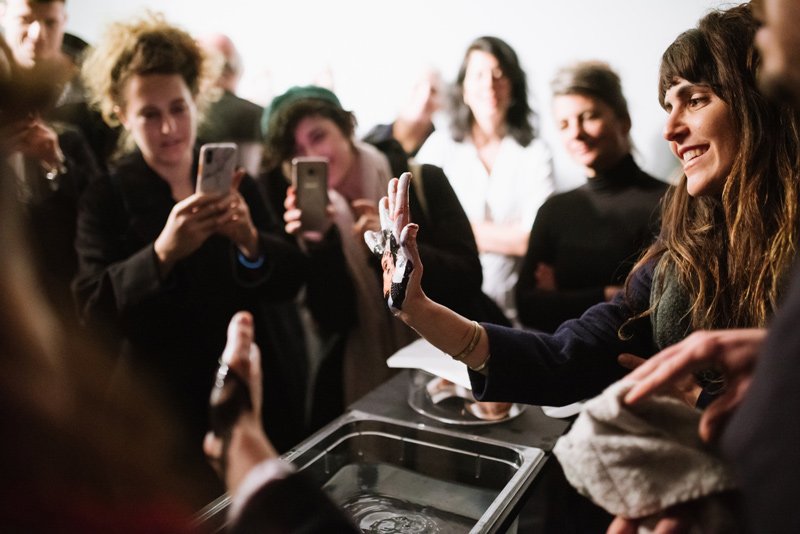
50, 209
176, 328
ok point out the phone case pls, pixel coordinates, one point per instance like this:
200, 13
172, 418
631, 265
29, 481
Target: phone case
310, 178
216, 167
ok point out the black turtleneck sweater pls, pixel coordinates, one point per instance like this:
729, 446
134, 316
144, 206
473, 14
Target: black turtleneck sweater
591, 236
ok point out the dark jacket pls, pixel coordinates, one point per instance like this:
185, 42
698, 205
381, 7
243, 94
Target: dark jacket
50, 210
176, 328
762, 437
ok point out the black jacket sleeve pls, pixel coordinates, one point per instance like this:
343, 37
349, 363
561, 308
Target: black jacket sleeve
292, 505
576, 362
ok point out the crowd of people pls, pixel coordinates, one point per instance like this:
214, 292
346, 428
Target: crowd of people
132, 295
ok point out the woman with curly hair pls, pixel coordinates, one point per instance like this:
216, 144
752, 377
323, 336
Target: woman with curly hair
163, 266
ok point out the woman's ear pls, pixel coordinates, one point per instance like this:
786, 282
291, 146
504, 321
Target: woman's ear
626, 124
118, 113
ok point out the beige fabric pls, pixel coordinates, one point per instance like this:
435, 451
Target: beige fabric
377, 335
637, 461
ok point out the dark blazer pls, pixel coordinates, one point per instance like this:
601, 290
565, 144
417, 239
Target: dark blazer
50, 209
762, 437
576, 362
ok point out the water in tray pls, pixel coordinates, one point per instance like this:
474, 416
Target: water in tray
386, 499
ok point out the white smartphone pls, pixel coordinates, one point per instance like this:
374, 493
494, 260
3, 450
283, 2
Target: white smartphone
310, 180
216, 167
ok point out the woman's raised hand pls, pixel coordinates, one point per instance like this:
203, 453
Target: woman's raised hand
396, 243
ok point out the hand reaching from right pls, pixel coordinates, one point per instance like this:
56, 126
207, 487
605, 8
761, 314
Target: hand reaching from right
732, 352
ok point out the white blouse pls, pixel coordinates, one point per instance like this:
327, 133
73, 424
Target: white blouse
520, 181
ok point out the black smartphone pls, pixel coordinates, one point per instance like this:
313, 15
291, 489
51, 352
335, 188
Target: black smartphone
310, 180
216, 167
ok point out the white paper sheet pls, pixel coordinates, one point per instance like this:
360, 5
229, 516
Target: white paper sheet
422, 355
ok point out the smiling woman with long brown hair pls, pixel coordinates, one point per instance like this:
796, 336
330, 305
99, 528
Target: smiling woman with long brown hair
728, 235
730, 249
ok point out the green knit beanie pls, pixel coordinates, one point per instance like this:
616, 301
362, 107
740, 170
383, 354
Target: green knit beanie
295, 94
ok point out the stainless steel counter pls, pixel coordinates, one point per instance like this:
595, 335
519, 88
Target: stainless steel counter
531, 428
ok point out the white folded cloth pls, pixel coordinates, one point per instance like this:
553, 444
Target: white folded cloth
636, 461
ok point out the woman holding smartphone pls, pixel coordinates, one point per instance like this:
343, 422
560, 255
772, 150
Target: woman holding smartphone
352, 333
163, 266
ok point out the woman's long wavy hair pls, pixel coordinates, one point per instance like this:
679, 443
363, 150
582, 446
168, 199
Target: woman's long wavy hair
731, 254
520, 116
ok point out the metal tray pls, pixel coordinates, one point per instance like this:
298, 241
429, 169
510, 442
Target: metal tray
387, 472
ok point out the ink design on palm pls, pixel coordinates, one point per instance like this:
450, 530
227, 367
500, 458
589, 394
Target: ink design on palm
389, 243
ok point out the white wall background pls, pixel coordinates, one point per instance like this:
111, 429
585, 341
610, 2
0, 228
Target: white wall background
371, 50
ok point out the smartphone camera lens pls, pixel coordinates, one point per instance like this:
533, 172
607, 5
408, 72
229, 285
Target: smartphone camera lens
209, 156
